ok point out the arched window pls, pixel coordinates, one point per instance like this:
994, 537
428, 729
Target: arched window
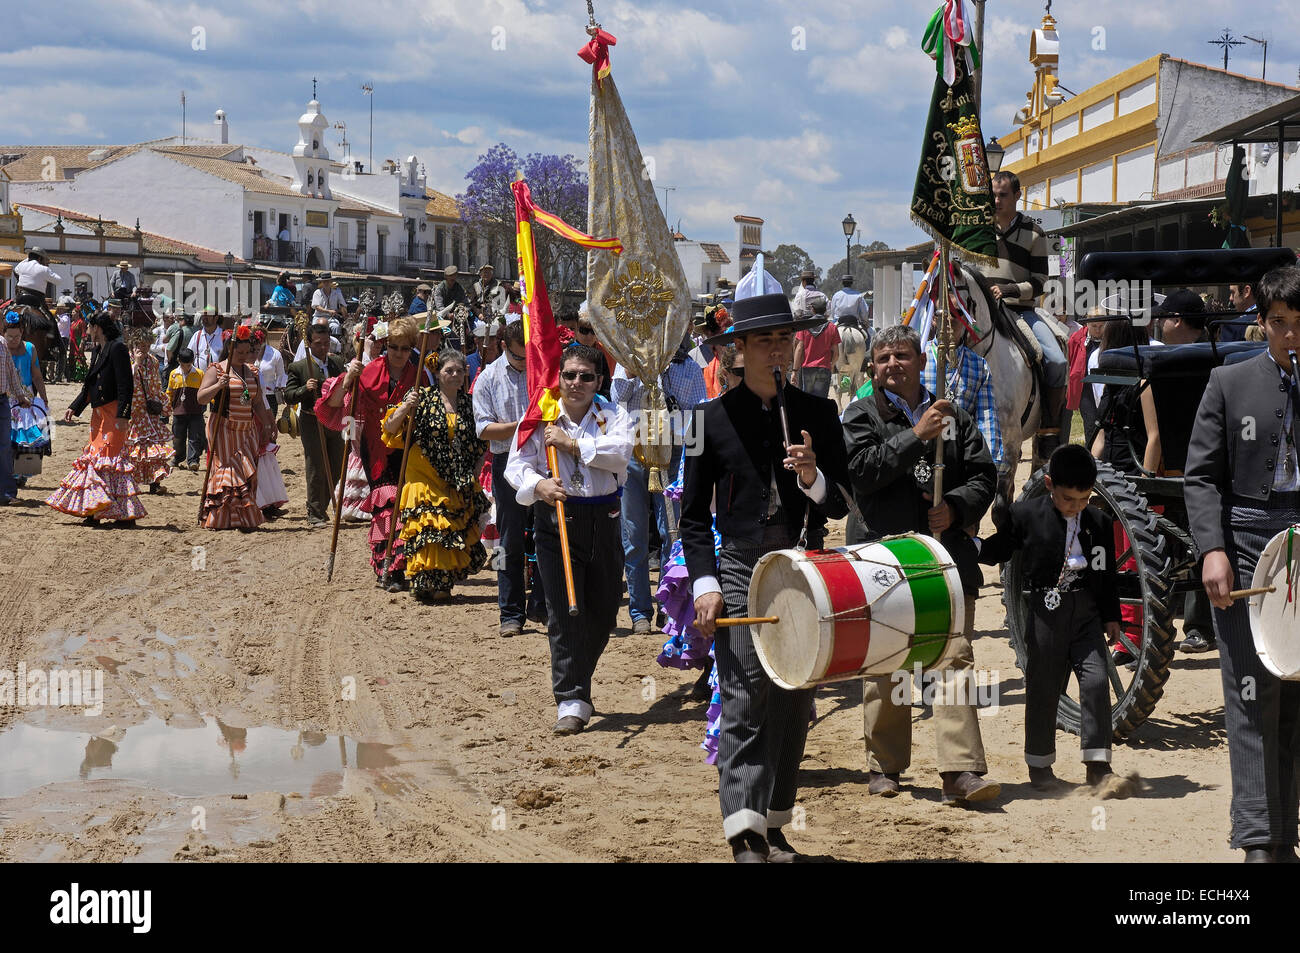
311, 178
320, 178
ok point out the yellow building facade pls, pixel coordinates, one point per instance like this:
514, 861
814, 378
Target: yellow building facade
1129, 138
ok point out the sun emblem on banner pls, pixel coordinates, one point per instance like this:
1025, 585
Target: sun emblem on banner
639, 299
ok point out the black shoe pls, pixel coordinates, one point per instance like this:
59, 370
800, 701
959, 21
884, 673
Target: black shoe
1196, 642
1260, 855
700, 691
1122, 657
749, 848
538, 615
1098, 771
1043, 779
1285, 854
661, 619
779, 850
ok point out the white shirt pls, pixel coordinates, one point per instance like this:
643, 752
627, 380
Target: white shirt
604, 447
335, 348
64, 320
159, 346
333, 301
847, 303
270, 370
34, 276
206, 346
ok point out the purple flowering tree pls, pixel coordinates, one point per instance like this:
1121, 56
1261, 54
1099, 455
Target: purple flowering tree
558, 184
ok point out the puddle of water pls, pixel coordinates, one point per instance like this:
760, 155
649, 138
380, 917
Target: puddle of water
73, 642
213, 758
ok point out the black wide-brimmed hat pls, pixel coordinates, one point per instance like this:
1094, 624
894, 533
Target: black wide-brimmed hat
762, 313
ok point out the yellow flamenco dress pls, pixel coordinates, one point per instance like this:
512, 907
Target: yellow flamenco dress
442, 503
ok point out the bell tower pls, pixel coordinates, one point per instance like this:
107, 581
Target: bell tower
311, 156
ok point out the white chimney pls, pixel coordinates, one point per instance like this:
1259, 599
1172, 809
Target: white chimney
223, 127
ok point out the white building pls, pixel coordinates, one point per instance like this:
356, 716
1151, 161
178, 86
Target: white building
706, 262
240, 200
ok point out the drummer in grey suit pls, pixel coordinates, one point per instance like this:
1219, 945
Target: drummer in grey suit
1243, 488
766, 493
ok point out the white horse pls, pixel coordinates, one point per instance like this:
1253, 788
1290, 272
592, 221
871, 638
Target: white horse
852, 354
1019, 400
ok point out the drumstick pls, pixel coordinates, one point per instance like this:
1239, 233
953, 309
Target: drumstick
760, 620
1247, 593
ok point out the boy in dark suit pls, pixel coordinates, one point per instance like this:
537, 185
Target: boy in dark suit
1073, 598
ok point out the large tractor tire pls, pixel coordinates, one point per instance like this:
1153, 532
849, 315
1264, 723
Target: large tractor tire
1135, 688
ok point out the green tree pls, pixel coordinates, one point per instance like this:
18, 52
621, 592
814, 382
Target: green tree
862, 272
784, 264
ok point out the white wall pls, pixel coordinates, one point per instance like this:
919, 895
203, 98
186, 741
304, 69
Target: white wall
1138, 95
1134, 175
1097, 181
169, 198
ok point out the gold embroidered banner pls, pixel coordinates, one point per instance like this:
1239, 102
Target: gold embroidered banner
640, 301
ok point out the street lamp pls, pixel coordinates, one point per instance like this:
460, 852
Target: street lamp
849, 226
994, 153
230, 267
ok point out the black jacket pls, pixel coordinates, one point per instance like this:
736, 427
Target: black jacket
740, 446
1037, 527
883, 451
1226, 457
108, 379
300, 372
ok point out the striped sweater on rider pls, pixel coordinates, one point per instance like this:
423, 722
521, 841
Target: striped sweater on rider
1022, 261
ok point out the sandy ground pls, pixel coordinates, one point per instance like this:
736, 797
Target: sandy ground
231, 731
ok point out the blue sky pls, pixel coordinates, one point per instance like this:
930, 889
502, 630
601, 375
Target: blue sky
737, 118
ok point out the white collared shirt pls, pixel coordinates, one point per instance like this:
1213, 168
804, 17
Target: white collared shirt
206, 345
913, 416
604, 439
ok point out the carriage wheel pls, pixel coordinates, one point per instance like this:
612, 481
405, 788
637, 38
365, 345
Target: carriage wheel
1135, 689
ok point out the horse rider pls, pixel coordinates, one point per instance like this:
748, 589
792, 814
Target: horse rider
33, 275
849, 307
1016, 281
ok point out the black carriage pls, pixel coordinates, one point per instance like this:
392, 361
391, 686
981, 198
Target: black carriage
1157, 557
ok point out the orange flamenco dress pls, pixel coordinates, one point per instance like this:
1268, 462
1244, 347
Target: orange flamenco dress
442, 503
100, 484
235, 442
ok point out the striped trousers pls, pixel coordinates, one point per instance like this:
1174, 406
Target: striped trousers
1262, 712
761, 739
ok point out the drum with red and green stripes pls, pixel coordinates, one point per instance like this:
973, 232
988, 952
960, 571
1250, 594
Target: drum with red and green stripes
865, 610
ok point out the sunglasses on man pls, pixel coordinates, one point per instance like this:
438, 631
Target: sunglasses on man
585, 376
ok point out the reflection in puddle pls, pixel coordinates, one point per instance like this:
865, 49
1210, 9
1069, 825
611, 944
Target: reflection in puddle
212, 758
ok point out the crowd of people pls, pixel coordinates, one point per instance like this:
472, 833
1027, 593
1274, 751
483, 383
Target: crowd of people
409, 418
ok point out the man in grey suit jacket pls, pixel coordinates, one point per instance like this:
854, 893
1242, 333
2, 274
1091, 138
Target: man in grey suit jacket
1242, 488
322, 448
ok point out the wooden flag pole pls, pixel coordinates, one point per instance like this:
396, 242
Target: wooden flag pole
554, 463
941, 367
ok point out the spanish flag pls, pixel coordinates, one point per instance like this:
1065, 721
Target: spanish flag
541, 336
